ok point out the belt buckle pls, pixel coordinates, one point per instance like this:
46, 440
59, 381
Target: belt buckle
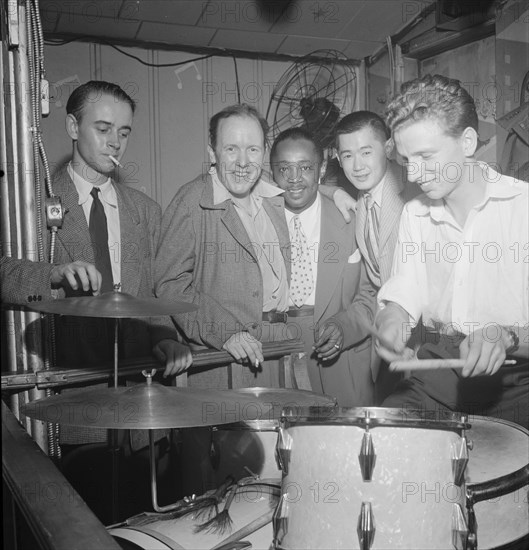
284, 317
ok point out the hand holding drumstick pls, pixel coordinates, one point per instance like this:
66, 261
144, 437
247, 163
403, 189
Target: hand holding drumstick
479, 355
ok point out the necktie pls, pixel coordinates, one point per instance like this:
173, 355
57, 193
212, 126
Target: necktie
371, 233
97, 226
302, 282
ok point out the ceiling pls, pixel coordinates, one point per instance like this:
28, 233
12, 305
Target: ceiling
357, 28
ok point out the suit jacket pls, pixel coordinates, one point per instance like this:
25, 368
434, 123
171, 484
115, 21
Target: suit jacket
344, 295
206, 257
86, 340
24, 281
396, 193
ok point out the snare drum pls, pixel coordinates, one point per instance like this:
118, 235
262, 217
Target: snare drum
242, 449
246, 508
368, 478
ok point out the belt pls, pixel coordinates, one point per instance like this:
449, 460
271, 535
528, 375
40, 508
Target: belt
275, 316
303, 311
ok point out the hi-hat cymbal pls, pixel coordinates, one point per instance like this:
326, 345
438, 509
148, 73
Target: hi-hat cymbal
112, 305
146, 406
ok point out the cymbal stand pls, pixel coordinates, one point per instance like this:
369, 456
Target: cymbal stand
113, 433
152, 462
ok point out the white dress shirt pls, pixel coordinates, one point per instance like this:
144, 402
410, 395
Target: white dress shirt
464, 278
109, 200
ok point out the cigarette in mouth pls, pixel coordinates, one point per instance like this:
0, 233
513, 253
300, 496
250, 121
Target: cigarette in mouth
115, 161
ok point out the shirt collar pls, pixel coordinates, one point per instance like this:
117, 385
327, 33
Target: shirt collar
84, 187
308, 216
376, 192
497, 188
260, 190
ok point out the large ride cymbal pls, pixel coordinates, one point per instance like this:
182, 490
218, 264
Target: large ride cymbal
113, 305
147, 406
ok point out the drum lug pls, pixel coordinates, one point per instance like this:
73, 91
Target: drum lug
460, 460
367, 456
472, 541
283, 448
366, 526
280, 521
459, 529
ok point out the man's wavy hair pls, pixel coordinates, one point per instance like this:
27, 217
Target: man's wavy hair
433, 97
241, 110
92, 91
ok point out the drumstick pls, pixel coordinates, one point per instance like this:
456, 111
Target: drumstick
426, 364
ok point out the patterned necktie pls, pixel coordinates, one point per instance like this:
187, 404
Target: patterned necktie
302, 282
371, 233
99, 236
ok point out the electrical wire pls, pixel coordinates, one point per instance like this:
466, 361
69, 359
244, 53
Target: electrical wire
37, 74
135, 57
237, 79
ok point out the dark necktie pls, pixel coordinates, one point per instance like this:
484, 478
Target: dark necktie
99, 236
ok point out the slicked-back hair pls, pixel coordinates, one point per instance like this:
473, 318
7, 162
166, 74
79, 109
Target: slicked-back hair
241, 110
91, 92
296, 134
435, 98
358, 121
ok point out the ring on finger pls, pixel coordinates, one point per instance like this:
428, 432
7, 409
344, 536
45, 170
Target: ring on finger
336, 346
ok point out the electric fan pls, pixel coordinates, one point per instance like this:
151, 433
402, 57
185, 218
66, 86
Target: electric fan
314, 93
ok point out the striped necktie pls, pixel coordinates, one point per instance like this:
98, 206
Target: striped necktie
302, 281
371, 233
98, 229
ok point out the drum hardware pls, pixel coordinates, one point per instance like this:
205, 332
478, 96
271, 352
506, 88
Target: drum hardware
214, 452
460, 530
489, 490
283, 449
460, 457
280, 521
367, 456
113, 305
366, 526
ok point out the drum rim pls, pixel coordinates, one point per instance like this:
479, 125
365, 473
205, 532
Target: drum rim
370, 417
249, 425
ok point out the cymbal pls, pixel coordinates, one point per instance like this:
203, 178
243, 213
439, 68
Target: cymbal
146, 406
278, 398
112, 305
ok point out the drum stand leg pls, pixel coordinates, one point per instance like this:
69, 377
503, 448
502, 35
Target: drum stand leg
154, 490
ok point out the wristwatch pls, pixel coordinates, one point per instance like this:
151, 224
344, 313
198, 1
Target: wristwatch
515, 341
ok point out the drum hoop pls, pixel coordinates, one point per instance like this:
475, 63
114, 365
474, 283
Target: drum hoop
249, 426
370, 417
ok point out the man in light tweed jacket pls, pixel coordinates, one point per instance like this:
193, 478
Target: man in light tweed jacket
224, 247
